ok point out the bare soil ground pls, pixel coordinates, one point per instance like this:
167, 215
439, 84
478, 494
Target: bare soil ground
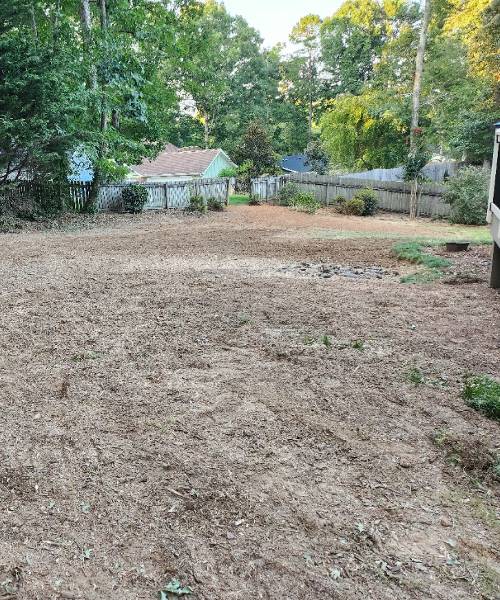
171, 408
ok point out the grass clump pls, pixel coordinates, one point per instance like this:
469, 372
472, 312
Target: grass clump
415, 376
413, 252
482, 393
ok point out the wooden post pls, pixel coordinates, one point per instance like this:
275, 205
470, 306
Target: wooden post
493, 216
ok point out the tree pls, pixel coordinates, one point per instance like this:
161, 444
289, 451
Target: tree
304, 69
39, 102
316, 157
256, 150
415, 139
358, 132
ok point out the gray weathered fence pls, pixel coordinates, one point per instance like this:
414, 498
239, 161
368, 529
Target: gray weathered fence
52, 197
174, 194
392, 195
434, 171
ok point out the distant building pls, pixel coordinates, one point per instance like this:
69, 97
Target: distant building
181, 164
295, 163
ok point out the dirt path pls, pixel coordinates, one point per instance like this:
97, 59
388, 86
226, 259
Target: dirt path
172, 409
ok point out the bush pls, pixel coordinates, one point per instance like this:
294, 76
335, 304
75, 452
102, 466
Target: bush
355, 206
134, 198
305, 203
467, 194
339, 201
215, 204
369, 198
197, 204
229, 172
483, 393
287, 193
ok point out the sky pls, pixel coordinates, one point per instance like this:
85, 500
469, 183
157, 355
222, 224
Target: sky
275, 18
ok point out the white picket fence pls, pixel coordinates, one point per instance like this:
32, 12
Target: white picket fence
171, 195
392, 195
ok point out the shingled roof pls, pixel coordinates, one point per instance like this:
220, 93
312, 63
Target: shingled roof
175, 161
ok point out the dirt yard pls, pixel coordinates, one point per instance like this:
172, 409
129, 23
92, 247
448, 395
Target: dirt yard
198, 399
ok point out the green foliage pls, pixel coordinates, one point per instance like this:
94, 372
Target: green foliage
359, 133
229, 172
197, 204
287, 193
467, 194
304, 203
316, 157
414, 164
134, 197
370, 202
256, 152
483, 393
214, 204
354, 206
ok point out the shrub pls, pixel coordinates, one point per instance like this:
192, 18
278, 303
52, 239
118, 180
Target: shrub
483, 393
215, 204
467, 194
229, 172
134, 198
355, 206
305, 203
339, 200
197, 204
369, 198
287, 193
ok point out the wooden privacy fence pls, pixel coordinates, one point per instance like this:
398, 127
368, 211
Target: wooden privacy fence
392, 195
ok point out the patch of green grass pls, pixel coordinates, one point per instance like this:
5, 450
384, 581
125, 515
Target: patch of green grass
414, 252
482, 393
477, 235
415, 376
239, 199
326, 341
421, 277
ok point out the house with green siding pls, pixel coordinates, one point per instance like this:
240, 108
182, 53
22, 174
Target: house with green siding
181, 164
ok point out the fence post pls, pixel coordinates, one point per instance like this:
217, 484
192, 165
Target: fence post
227, 191
165, 189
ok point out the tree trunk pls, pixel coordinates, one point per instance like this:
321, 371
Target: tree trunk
104, 16
86, 21
417, 86
206, 126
